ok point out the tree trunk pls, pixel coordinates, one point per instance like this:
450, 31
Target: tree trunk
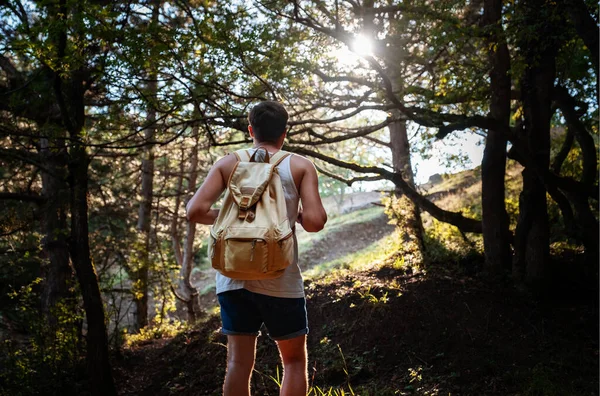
411, 222
402, 165
188, 291
145, 210
98, 365
401, 151
493, 166
57, 272
533, 240
69, 96
588, 234
144, 221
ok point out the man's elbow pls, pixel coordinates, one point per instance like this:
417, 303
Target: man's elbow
314, 224
193, 214
313, 227
189, 216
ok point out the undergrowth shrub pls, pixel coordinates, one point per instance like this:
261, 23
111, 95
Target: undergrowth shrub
164, 329
40, 358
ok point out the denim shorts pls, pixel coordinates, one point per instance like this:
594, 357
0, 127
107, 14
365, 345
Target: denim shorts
243, 313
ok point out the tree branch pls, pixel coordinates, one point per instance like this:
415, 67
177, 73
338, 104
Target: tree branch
567, 106
457, 219
348, 182
22, 197
361, 132
564, 151
467, 122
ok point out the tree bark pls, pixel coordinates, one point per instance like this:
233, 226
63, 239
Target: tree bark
98, 364
496, 235
588, 234
189, 292
57, 272
175, 220
145, 210
586, 222
140, 273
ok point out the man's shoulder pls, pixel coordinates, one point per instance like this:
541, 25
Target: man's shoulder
300, 161
224, 165
225, 161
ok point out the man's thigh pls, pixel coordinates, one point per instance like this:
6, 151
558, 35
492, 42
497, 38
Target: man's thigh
241, 349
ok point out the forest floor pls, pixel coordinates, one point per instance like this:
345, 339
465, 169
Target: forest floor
385, 327
387, 331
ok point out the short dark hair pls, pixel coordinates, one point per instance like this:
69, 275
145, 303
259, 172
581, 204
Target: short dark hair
268, 120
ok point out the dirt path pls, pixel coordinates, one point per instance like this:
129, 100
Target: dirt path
344, 240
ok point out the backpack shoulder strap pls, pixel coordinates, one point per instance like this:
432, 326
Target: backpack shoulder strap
278, 157
242, 155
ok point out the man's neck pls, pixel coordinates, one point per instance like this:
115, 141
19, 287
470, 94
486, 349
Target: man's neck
270, 147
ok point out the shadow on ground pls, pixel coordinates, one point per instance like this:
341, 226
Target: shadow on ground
386, 332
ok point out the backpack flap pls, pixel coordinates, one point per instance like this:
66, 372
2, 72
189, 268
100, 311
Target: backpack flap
247, 183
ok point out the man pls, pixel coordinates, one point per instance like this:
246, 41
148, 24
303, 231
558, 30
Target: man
278, 303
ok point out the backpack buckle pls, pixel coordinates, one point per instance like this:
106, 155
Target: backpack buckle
244, 202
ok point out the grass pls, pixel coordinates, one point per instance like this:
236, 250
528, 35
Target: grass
454, 181
368, 257
305, 239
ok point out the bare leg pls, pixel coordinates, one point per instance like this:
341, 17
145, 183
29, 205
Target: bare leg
241, 351
295, 377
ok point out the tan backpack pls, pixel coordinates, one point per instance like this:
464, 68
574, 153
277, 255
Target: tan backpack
252, 237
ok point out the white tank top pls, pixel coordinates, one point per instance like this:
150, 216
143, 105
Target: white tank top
291, 283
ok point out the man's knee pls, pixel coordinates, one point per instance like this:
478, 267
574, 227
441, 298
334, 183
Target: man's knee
240, 363
293, 352
241, 352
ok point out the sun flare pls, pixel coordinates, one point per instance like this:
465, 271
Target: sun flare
359, 47
362, 45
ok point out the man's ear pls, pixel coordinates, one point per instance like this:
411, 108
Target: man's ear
282, 138
251, 131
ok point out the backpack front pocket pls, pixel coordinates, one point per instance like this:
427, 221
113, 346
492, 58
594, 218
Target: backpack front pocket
284, 253
215, 251
246, 250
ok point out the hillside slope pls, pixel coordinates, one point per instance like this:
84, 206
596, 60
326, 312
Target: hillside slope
388, 332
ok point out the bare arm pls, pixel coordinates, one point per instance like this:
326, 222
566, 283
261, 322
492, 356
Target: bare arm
199, 207
313, 216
